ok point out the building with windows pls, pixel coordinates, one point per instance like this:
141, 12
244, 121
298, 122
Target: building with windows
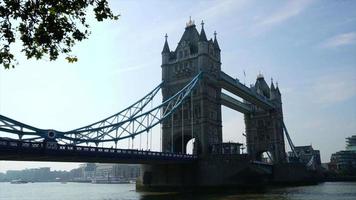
88, 171
344, 162
351, 143
307, 155
115, 173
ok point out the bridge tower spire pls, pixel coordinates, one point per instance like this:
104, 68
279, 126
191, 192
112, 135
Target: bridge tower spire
193, 54
165, 52
264, 128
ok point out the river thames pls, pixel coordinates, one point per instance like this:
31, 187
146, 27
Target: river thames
87, 191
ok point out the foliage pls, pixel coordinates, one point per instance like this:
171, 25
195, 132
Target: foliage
46, 27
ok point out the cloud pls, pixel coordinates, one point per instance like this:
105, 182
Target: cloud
129, 69
219, 8
333, 88
340, 40
289, 10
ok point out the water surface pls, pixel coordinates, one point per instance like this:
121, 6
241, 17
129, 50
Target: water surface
87, 191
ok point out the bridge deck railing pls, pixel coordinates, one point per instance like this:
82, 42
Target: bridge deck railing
51, 146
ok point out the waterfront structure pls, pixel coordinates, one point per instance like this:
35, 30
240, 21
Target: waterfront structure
344, 162
199, 119
114, 173
351, 143
43, 174
88, 171
307, 155
36, 174
192, 84
195, 53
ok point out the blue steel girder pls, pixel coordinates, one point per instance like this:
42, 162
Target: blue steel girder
104, 125
125, 124
140, 123
234, 86
9, 125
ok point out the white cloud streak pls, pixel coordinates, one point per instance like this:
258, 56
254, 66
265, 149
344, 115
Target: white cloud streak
281, 15
333, 88
340, 40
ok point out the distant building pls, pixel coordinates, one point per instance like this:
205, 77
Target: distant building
38, 174
351, 143
104, 171
116, 172
43, 174
344, 162
127, 171
307, 155
88, 171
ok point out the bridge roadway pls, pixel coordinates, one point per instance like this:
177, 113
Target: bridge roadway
17, 150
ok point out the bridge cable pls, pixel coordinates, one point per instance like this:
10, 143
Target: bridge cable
151, 140
160, 131
141, 134
147, 133
116, 132
133, 137
160, 137
151, 130
172, 133
140, 142
290, 140
182, 128
133, 143
192, 120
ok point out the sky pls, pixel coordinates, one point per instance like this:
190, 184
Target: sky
308, 46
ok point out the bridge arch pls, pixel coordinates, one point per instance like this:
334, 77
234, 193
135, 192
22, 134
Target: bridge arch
265, 156
184, 140
189, 148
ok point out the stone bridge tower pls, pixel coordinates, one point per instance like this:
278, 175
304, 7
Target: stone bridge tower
200, 118
194, 53
264, 129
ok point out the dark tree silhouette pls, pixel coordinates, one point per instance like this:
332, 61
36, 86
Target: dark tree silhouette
46, 27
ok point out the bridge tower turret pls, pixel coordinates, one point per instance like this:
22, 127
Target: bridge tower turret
165, 52
264, 129
194, 53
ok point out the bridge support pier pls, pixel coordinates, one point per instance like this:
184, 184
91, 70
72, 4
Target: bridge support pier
166, 177
213, 172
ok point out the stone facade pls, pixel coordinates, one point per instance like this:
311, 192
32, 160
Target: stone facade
264, 129
219, 164
193, 54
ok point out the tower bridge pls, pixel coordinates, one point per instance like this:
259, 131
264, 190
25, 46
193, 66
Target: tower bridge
192, 98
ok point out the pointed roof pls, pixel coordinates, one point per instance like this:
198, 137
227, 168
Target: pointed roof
165, 47
190, 37
190, 34
202, 36
216, 44
277, 89
272, 85
262, 85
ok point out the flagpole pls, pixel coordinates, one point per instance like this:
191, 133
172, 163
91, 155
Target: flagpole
244, 78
